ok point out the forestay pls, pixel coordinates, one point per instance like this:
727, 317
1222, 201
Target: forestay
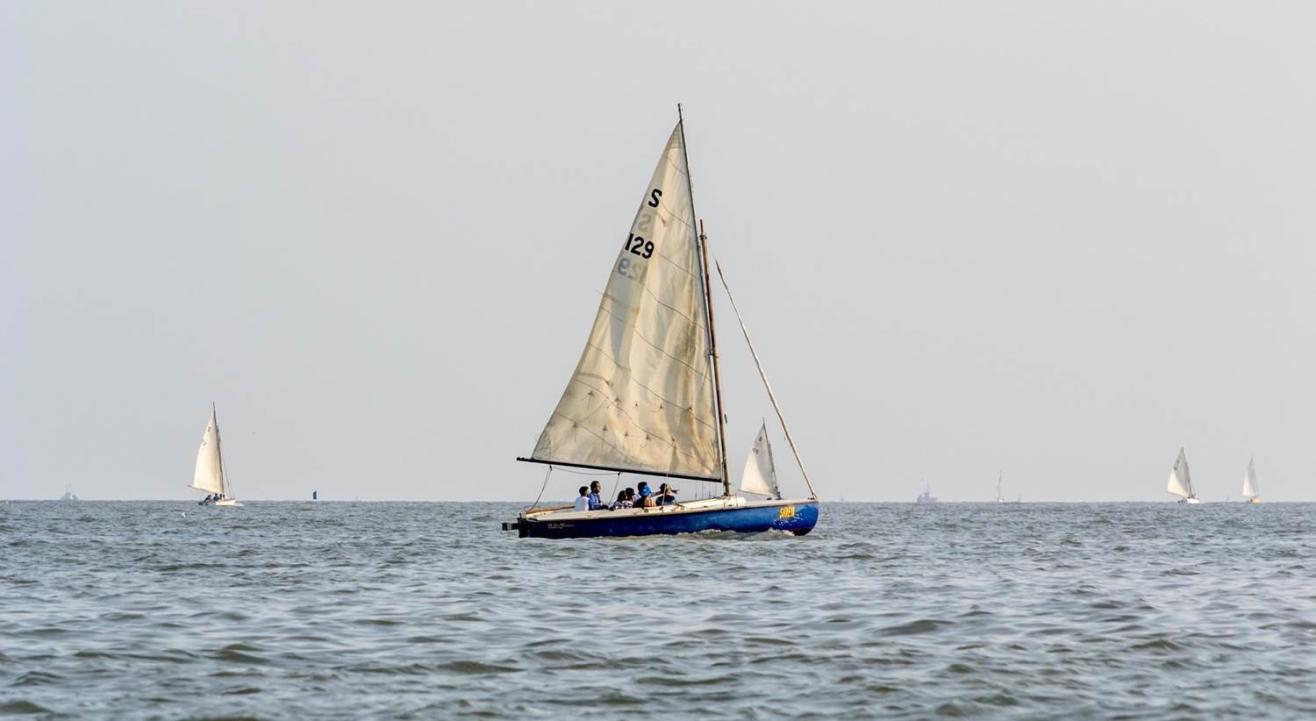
760, 474
1250, 481
209, 476
1180, 484
642, 396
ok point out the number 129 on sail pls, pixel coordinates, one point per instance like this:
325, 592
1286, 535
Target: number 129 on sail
639, 246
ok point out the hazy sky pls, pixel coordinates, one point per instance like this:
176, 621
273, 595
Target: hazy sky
1054, 239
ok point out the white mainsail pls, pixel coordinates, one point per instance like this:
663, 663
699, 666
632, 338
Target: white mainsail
1250, 481
1180, 484
760, 474
209, 475
642, 396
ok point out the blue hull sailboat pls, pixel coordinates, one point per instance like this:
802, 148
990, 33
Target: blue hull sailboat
646, 396
797, 517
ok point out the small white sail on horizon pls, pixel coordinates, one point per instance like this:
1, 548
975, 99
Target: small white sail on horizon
999, 497
760, 474
1250, 488
1180, 483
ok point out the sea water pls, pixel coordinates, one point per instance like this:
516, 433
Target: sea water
144, 610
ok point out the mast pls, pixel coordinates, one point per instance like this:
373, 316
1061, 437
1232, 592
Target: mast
708, 310
219, 453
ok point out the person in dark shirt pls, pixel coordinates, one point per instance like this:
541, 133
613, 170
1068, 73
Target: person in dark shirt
644, 495
666, 495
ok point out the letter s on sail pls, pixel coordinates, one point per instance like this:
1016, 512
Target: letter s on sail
654, 195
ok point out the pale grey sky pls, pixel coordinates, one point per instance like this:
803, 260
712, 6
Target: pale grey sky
1055, 239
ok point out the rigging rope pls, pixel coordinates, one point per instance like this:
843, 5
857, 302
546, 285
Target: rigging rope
547, 473
812, 494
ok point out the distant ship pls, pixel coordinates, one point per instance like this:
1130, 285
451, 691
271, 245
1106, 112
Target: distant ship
1250, 490
999, 497
209, 475
69, 495
1180, 484
926, 496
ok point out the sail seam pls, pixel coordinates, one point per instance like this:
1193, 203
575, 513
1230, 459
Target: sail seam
688, 222
652, 392
677, 166
631, 377
650, 343
678, 451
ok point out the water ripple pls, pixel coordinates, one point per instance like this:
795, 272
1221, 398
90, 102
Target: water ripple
343, 611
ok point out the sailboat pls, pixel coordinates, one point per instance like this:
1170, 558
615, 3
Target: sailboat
1250, 489
999, 497
209, 475
1180, 484
646, 394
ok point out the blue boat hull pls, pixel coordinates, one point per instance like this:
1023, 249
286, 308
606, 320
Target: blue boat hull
797, 517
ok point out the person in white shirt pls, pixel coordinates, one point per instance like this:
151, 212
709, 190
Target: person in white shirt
582, 503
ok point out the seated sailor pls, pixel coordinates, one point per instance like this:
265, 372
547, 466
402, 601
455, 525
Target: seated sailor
582, 502
624, 499
666, 495
644, 496
595, 499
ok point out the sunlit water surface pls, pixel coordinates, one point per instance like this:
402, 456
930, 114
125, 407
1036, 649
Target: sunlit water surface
417, 610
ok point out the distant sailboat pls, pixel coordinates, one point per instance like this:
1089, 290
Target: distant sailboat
69, 495
760, 475
926, 496
999, 497
646, 394
209, 475
1250, 489
1180, 484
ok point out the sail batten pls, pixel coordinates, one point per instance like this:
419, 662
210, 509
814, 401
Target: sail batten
642, 395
